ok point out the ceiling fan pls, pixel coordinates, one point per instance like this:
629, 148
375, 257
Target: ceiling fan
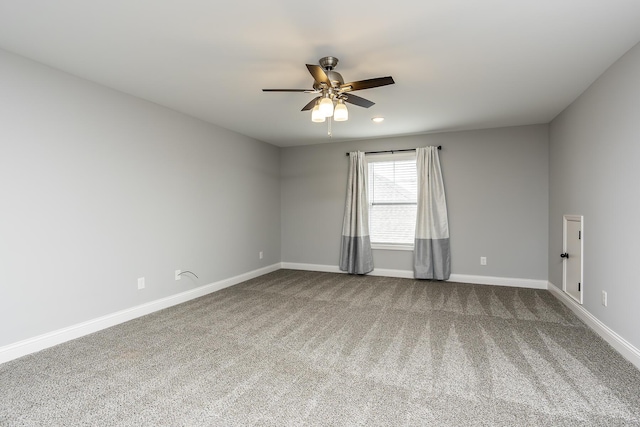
333, 92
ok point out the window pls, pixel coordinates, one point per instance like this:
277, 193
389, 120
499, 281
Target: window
393, 196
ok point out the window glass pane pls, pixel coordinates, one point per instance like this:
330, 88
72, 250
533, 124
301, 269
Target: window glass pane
393, 182
392, 224
392, 201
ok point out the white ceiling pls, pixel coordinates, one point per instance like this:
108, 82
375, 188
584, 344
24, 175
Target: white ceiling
457, 64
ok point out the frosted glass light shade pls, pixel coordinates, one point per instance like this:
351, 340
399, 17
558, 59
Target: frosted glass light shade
326, 107
341, 113
316, 115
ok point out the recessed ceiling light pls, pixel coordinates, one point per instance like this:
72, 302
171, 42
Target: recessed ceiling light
378, 119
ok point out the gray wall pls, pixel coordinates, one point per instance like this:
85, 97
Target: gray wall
99, 188
497, 195
594, 171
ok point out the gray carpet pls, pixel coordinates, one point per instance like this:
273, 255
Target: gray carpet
304, 348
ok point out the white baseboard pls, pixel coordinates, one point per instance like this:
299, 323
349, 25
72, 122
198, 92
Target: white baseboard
311, 267
513, 282
622, 346
32, 345
388, 272
384, 272
408, 274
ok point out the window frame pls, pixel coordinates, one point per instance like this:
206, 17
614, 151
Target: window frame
387, 157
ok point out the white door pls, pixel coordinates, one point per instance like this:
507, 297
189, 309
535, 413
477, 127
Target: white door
572, 257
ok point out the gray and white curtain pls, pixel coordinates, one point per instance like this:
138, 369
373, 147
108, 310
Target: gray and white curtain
355, 249
432, 254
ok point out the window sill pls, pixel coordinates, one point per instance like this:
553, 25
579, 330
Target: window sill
391, 247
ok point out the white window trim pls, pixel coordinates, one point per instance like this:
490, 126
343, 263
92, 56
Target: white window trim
392, 247
386, 157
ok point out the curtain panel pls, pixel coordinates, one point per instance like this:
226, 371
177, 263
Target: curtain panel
432, 254
355, 249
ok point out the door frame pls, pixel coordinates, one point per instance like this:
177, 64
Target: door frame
580, 219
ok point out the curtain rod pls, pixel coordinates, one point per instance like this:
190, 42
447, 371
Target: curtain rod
394, 151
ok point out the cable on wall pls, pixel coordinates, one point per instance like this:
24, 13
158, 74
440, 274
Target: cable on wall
187, 271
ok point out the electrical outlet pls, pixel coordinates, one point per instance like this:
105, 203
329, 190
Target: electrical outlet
178, 276
140, 282
483, 260
604, 298
260, 255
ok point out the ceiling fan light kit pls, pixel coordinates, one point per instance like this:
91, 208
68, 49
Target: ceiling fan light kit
326, 106
316, 115
333, 92
340, 113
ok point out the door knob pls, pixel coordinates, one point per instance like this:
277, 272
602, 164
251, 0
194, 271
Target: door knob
564, 255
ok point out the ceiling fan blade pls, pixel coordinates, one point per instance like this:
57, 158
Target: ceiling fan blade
311, 103
318, 74
367, 84
285, 90
356, 100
